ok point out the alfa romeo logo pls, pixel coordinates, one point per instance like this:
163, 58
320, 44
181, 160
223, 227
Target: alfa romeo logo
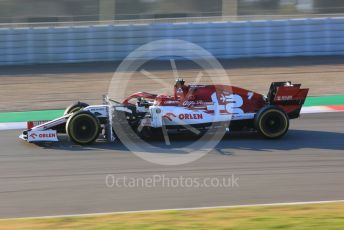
122, 84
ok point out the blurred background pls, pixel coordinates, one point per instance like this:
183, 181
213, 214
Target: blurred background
31, 11
72, 31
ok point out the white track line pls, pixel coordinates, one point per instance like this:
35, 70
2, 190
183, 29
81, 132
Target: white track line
318, 109
175, 209
13, 125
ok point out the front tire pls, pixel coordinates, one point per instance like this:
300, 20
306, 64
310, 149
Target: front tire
83, 128
271, 122
75, 107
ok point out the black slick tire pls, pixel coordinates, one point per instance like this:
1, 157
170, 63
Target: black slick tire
83, 128
75, 107
271, 122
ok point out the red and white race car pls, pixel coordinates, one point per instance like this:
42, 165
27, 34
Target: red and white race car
192, 107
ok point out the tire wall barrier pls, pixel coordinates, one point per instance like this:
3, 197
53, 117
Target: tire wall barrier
268, 38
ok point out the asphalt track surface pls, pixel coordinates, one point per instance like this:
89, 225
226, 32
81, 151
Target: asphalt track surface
61, 178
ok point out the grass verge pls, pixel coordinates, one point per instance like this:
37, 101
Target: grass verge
328, 216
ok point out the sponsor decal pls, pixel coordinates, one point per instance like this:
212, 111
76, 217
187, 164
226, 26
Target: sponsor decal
33, 135
196, 103
197, 86
170, 102
186, 116
188, 103
46, 135
284, 98
169, 116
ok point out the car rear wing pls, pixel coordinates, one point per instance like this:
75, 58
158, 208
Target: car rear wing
290, 97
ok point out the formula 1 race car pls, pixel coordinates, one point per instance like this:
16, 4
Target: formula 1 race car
195, 106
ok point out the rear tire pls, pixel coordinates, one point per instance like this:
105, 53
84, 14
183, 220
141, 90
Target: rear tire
271, 122
75, 107
83, 128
